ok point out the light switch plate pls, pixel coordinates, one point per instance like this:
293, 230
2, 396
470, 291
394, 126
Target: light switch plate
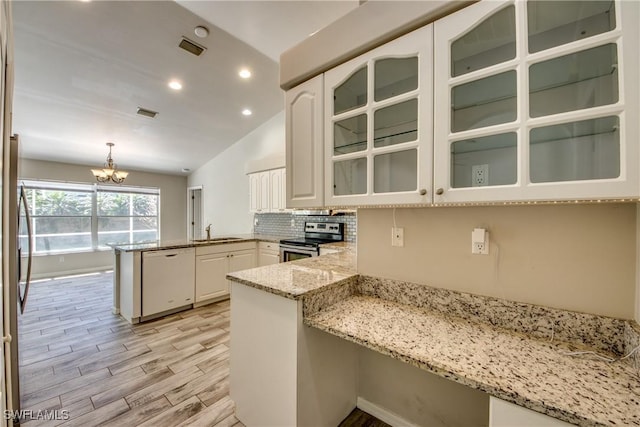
397, 236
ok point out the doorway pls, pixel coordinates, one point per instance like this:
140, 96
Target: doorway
194, 213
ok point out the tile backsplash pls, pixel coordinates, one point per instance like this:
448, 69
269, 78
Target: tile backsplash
287, 224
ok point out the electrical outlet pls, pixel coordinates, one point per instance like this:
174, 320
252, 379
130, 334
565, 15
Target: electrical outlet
480, 248
293, 223
480, 241
397, 236
479, 175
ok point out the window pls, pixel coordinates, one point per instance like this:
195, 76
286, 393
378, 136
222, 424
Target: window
125, 217
83, 217
60, 219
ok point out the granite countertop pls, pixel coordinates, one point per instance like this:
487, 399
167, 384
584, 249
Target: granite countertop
296, 279
186, 243
530, 372
526, 364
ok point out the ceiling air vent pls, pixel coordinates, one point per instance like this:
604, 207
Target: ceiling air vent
191, 47
147, 113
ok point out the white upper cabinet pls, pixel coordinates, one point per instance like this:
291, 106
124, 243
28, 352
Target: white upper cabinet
277, 184
255, 203
267, 191
378, 125
537, 100
304, 145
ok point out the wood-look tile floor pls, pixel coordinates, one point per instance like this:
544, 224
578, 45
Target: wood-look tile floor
75, 355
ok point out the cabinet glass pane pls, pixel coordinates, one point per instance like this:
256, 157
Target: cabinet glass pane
581, 80
395, 76
479, 162
352, 93
350, 177
484, 102
396, 124
350, 135
395, 171
554, 23
588, 149
491, 42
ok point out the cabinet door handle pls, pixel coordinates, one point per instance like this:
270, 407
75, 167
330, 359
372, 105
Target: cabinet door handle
171, 255
439, 191
423, 192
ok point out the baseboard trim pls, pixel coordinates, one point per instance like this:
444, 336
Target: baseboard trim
64, 273
382, 414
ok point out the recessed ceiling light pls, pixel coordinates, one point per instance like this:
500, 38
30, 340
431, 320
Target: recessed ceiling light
186, 170
244, 73
246, 112
175, 85
201, 31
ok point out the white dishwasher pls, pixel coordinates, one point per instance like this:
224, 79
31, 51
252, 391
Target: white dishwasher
168, 280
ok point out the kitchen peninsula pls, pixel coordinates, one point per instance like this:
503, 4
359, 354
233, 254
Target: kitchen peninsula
294, 362
157, 278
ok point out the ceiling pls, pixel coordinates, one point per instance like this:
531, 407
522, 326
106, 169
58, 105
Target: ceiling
83, 68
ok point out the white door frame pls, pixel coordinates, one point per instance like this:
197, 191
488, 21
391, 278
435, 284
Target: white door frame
191, 191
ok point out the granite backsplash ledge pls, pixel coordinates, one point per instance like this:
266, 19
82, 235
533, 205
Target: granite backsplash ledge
598, 332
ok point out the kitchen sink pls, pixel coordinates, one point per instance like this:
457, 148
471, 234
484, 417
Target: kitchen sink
216, 239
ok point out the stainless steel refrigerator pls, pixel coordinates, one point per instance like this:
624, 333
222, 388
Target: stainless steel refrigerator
14, 290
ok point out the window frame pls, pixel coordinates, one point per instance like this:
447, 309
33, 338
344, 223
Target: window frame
94, 190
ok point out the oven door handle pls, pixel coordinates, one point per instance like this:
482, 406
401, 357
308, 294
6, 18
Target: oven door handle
299, 249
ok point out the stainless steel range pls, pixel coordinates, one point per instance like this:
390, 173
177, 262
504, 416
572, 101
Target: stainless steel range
315, 234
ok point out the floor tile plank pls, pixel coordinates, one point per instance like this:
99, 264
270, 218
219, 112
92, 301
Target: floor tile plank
176, 414
76, 356
212, 415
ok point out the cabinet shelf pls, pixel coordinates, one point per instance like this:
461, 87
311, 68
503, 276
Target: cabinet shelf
364, 142
578, 138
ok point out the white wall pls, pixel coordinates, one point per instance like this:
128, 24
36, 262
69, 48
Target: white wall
173, 217
224, 180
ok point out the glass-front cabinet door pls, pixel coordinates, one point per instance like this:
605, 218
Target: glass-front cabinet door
378, 134
537, 100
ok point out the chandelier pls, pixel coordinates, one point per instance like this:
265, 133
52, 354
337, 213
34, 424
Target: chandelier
110, 171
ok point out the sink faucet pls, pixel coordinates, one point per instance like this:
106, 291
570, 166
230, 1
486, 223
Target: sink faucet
208, 230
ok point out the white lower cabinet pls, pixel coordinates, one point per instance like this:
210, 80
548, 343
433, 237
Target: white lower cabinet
210, 276
268, 253
167, 280
213, 263
506, 414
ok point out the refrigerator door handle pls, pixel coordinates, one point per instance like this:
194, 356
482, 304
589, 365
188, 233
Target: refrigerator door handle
23, 298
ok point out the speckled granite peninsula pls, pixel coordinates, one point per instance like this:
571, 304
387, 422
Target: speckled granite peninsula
514, 351
303, 277
159, 245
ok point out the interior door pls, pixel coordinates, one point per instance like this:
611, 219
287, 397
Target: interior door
195, 213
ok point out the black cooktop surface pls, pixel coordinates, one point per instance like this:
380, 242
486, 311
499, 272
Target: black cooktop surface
302, 241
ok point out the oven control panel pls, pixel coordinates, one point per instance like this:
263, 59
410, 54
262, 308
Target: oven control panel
324, 227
